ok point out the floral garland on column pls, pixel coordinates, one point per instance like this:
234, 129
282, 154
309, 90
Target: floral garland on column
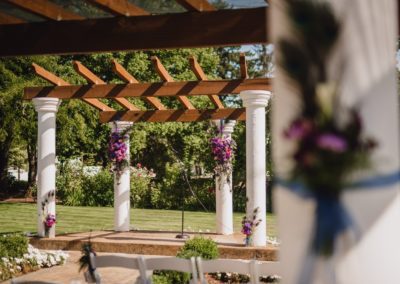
118, 151
223, 150
49, 219
328, 149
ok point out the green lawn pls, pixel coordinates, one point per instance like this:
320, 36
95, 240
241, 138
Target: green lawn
22, 217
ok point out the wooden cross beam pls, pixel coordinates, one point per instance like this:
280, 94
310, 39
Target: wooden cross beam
196, 5
50, 77
119, 7
8, 19
180, 30
45, 9
127, 77
162, 89
92, 78
198, 71
181, 115
163, 73
243, 67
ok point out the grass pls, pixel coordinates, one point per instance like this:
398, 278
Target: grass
21, 217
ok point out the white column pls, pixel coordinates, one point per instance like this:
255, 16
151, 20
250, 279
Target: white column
255, 103
46, 108
223, 193
122, 188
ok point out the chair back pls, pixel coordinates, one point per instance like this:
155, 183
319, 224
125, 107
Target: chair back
112, 261
225, 265
166, 263
265, 268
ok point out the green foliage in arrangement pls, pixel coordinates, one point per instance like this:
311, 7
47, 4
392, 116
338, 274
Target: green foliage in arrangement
13, 245
196, 247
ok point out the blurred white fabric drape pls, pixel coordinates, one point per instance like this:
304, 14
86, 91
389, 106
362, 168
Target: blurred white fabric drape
368, 48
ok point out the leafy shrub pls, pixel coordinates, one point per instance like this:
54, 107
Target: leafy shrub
198, 246
14, 245
98, 190
69, 183
141, 186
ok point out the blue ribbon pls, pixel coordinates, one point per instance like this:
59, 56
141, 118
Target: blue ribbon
332, 218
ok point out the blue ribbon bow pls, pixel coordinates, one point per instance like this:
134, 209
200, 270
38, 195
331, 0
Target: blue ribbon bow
332, 218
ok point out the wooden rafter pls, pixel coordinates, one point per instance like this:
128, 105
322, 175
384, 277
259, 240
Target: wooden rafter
196, 5
162, 89
198, 71
8, 19
243, 67
180, 115
46, 9
119, 7
127, 77
92, 78
180, 30
163, 73
50, 77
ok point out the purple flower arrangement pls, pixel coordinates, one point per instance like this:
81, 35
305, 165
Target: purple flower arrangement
248, 226
118, 152
50, 220
223, 148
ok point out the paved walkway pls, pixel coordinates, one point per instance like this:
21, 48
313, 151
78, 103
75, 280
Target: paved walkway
68, 273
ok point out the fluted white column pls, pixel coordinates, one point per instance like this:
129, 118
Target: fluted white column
47, 109
223, 195
122, 187
255, 103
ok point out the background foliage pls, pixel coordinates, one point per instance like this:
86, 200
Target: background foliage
173, 150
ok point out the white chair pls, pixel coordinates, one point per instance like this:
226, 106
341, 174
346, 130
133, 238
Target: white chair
265, 268
166, 263
113, 261
225, 265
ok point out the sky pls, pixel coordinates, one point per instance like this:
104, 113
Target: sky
246, 3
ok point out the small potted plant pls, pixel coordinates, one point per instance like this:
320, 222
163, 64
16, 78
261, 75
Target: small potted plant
248, 226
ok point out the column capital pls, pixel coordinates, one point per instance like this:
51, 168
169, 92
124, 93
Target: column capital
255, 98
229, 127
120, 125
46, 104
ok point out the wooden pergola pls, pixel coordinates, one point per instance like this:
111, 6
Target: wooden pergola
149, 92
36, 27
53, 29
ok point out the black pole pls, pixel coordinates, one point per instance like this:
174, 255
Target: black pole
182, 235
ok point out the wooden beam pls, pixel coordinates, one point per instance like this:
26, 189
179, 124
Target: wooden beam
46, 9
196, 5
8, 19
163, 73
243, 66
127, 77
163, 89
50, 77
119, 7
181, 30
170, 115
92, 78
198, 71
